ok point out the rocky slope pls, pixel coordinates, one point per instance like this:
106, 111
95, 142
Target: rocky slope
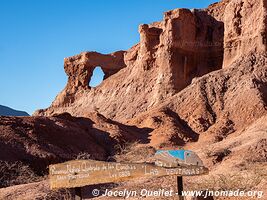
40, 141
214, 105
170, 54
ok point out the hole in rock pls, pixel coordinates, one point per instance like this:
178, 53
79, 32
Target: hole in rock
97, 77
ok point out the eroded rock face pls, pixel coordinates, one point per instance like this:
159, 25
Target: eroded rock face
192, 45
170, 54
245, 29
217, 104
80, 69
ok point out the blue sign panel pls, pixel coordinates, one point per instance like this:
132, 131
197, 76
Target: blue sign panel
180, 157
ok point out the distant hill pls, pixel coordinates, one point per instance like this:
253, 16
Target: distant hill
6, 111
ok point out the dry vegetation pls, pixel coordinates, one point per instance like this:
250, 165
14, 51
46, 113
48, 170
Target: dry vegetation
15, 173
244, 180
134, 152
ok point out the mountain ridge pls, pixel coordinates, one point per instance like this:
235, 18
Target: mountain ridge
7, 111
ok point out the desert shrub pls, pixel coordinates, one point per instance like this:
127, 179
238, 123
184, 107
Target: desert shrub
125, 147
218, 155
133, 152
15, 173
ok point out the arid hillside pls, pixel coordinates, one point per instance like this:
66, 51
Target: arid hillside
39, 141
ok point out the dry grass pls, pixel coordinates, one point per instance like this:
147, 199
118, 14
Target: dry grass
15, 173
231, 182
134, 152
126, 147
245, 180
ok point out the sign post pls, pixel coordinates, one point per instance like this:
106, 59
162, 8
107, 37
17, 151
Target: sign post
180, 187
79, 173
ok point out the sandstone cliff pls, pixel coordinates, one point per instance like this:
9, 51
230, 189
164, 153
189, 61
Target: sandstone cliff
212, 107
170, 54
245, 29
184, 45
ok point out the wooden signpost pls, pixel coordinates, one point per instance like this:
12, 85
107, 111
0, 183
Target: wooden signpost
79, 173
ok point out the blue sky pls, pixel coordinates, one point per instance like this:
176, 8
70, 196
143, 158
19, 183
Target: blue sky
35, 36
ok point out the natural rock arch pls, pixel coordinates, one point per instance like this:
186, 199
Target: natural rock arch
97, 77
79, 69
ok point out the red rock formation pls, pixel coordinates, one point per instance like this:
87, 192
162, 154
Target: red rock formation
184, 45
188, 44
245, 29
170, 54
80, 68
191, 45
39, 141
212, 107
